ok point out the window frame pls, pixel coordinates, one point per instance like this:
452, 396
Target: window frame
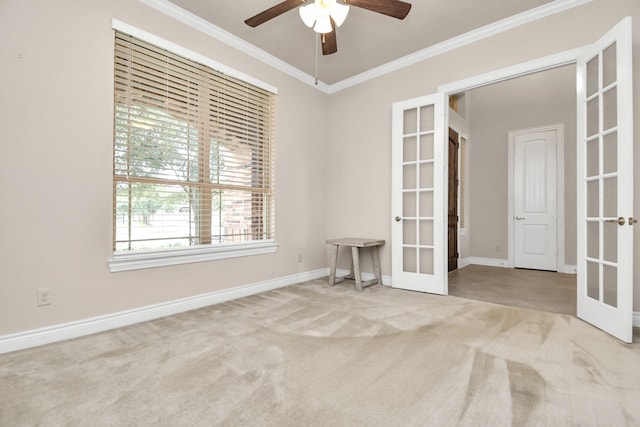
138, 259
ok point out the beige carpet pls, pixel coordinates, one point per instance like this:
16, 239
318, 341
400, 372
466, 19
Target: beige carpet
312, 355
538, 290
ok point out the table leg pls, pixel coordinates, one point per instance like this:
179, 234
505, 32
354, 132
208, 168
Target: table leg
351, 275
334, 262
356, 267
376, 264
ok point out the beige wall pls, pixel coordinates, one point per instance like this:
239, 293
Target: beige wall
358, 182
333, 153
537, 100
56, 106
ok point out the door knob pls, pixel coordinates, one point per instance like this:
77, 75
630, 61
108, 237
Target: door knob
632, 220
398, 219
620, 220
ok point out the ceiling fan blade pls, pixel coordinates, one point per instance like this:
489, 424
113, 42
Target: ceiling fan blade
329, 41
394, 8
272, 12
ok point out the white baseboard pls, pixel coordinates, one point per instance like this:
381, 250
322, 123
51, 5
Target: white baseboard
463, 262
37, 337
489, 262
568, 269
495, 262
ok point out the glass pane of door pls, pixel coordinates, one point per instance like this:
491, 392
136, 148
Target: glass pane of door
418, 183
601, 178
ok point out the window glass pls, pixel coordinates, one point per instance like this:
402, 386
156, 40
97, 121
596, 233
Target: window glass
193, 153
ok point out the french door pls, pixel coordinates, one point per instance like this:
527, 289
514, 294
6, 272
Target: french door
605, 183
604, 187
418, 181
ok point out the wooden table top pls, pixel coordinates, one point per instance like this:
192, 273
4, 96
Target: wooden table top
355, 241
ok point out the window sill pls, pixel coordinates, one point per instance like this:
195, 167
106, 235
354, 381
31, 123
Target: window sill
161, 258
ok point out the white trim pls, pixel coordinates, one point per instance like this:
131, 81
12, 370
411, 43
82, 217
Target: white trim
463, 262
567, 57
459, 41
636, 319
189, 54
37, 337
160, 258
560, 243
229, 39
494, 262
223, 36
568, 269
489, 262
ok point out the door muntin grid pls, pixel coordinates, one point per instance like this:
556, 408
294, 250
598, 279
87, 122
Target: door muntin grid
601, 180
418, 190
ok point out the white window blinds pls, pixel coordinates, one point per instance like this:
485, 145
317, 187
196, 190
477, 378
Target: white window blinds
193, 153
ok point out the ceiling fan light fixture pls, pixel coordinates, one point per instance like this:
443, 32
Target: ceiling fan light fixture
320, 13
339, 13
308, 14
323, 24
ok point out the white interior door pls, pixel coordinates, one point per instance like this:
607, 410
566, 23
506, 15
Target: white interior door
418, 199
534, 200
605, 183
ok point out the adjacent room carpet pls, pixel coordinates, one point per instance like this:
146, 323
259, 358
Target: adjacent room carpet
315, 355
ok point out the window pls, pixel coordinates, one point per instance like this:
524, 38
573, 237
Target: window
193, 154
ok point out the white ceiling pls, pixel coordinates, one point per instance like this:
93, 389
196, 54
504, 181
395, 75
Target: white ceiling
366, 40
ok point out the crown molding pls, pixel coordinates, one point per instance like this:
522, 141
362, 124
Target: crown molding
226, 37
229, 39
497, 27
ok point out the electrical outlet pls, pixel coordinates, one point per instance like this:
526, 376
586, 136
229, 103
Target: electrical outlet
43, 296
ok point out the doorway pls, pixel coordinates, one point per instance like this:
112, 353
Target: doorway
529, 103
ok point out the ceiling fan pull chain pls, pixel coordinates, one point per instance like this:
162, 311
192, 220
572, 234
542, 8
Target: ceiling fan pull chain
317, 41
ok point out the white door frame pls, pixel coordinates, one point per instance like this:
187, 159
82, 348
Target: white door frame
461, 126
560, 243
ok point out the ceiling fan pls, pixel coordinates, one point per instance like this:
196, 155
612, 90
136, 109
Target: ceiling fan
325, 15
